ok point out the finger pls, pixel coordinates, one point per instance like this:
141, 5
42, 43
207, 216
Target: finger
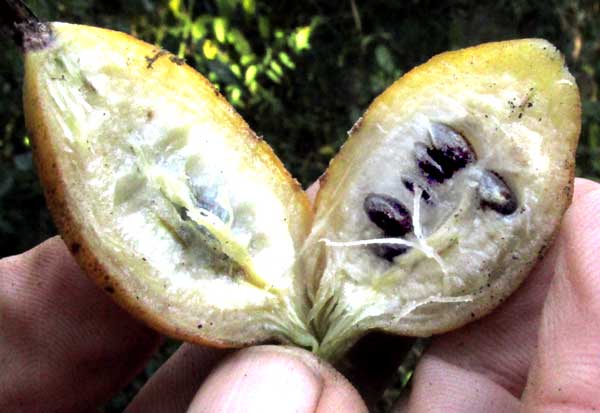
64, 345
492, 355
173, 386
276, 379
566, 370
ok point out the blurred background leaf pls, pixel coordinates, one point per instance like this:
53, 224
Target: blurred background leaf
301, 73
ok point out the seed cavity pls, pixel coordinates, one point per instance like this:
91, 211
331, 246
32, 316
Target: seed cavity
389, 215
429, 167
205, 197
495, 193
449, 152
410, 185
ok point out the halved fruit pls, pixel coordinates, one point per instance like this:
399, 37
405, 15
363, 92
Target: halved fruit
447, 192
163, 193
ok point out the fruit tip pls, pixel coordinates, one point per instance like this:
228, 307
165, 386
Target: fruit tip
19, 22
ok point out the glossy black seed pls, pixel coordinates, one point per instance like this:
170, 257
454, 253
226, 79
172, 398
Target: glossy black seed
388, 214
450, 149
427, 165
495, 193
411, 187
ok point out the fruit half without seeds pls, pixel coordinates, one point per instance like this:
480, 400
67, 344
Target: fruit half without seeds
163, 193
472, 156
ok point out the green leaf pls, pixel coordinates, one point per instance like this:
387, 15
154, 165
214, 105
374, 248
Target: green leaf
286, 60
199, 29
249, 6
236, 94
264, 27
251, 73
175, 6
220, 29
276, 67
246, 59
210, 49
226, 7
239, 42
302, 38
273, 76
384, 59
235, 69
326, 150
253, 86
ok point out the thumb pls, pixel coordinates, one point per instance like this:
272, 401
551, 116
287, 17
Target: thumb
566, 371
276, 379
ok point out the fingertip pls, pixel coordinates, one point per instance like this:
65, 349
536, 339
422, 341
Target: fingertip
583, 186
275, 379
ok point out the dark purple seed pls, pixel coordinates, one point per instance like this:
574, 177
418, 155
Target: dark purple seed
411, 187
450, 149
389, 251
388, 214
495, 193
428, 166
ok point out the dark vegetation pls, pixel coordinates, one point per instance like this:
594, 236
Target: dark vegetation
300, 73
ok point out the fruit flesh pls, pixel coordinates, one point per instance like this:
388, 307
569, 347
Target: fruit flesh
156, 179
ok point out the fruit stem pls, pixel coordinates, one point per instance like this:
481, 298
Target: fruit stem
22, 25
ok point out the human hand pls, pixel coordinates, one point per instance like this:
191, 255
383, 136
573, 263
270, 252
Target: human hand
66, 347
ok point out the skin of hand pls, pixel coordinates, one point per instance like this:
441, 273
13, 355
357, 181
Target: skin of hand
66, 347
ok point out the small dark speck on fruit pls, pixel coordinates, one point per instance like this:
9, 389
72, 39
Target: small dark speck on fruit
199, 325
472, 315
149, 115
520, 115
144, 259
177, 60
151, 59
529, 104
515, 257
75, 247
109, 289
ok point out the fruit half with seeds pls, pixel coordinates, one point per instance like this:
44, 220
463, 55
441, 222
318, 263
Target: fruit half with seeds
476, 149
447, 192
